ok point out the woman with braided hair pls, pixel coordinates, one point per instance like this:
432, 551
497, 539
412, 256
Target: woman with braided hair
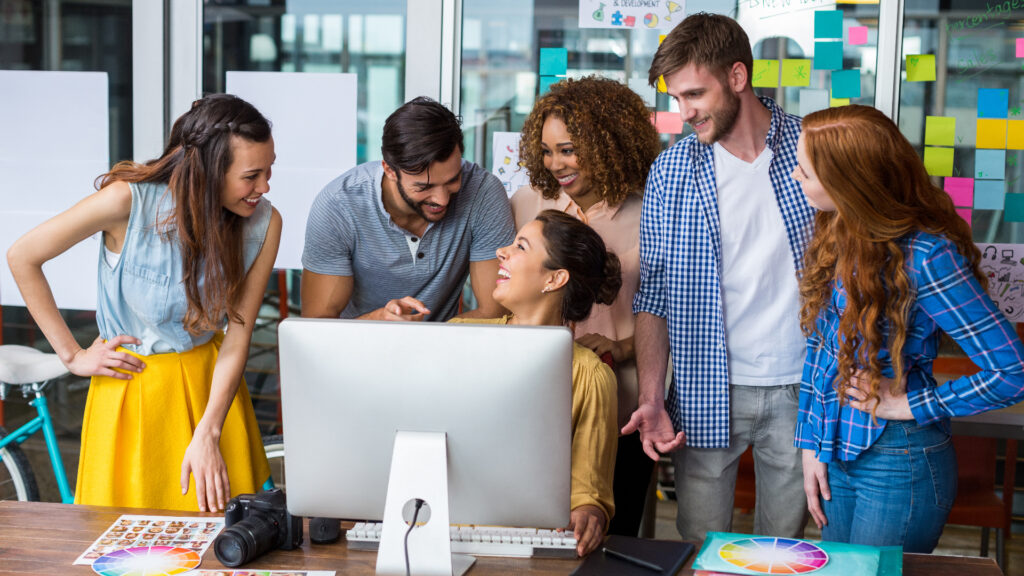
188, 247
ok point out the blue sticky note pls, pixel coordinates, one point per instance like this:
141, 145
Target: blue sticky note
553, 61
828, 55
993, 103
828, 24
989, 194
990, 164
846, 84
546, 82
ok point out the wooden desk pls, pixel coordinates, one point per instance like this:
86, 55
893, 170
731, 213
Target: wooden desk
1003, 423
45, 538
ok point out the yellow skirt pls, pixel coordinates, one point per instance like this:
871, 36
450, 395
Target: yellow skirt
136, 431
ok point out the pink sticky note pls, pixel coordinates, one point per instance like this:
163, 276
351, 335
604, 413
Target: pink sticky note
1020, 47
667, 122
859, 35
965, 213
961, 190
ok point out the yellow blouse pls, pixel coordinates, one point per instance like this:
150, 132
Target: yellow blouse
594, 432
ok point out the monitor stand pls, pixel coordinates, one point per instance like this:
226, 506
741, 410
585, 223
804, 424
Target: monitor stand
419, 469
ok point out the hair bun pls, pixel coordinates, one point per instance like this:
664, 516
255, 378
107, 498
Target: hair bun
609, 289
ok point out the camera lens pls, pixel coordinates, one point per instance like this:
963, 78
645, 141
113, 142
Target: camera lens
246, 540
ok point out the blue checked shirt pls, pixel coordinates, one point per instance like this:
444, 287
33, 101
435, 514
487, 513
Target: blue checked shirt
680, 266
948, 298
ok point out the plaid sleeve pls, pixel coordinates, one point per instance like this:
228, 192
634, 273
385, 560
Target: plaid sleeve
951, 296
804, 438
650, 296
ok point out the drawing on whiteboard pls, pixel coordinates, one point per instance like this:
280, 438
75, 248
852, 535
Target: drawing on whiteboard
999, 263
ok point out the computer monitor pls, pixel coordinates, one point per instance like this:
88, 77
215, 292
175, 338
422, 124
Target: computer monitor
502, 395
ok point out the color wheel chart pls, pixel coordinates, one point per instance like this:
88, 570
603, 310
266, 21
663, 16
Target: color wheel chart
774, 555
146, 561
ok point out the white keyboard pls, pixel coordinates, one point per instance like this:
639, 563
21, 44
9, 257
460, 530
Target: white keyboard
483, 541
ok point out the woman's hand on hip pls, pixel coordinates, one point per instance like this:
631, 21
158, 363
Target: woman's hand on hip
102, 358
204, 461
816, 486
887, 405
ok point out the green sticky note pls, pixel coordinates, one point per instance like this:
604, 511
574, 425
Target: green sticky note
938, 161
939, 130
796, 72
1013, 210
766, 74
921, 68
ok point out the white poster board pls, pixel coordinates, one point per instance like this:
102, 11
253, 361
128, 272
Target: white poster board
643, 14
54, 143
505, 161
1004, 266
314, 127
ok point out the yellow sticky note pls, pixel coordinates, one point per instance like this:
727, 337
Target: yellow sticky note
991, 133
1015, 135
837, 102
796, 72
938, 161
921, 68
661, 85
939, 130
661, 38
766, 74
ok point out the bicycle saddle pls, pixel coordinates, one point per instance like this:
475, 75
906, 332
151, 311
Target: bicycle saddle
25, 365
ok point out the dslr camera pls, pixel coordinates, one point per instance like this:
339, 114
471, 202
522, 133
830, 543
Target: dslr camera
254, 524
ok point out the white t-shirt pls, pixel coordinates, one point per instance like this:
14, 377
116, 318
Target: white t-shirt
760, 297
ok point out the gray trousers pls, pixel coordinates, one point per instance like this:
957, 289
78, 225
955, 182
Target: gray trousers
762, 416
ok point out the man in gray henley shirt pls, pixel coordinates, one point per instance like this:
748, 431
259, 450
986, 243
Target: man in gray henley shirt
394, 239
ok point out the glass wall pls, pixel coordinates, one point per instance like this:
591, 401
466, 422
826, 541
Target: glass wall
75, 35
977, 51
501, 43
349, 36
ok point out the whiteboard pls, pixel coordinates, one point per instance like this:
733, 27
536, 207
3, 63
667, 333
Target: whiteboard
54, 142
314, 127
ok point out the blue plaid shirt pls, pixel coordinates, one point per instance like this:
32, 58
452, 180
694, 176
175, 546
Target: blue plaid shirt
948, 298
680, 267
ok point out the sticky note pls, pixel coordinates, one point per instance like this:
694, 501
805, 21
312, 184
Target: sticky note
796, 72
828, 24
1013, 208
993, 102
812, 101
939, 130
546, 82
828, 55
1020, 47
667, 122
921, 68
661, 85
961, 190
837, 102
766, 74
846, 84
858, 35
553, 61
644, 90
991, 133
990, 164
964, 213
989, 194
1015, 135
938, 161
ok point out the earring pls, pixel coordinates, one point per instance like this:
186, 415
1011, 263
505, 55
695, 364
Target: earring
545, 290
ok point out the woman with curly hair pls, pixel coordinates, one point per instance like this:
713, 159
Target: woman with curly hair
891, 265
588, 145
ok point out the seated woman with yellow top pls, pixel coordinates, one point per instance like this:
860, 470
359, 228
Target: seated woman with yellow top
551, 275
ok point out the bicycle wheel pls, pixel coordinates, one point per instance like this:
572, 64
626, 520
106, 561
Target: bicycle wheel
17, 482
274, 445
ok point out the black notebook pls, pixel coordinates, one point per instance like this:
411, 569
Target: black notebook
667, 554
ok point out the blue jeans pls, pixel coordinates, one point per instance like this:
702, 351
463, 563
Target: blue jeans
898, 492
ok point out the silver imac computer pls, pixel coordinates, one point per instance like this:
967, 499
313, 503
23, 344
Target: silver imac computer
473, 419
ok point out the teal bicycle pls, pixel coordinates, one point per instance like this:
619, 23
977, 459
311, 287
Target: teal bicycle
30, 371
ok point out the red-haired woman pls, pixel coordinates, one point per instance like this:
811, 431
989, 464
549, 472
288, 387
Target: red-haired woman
188, 247
891, 265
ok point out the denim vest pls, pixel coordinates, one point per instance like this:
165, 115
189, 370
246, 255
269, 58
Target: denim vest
143, 295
